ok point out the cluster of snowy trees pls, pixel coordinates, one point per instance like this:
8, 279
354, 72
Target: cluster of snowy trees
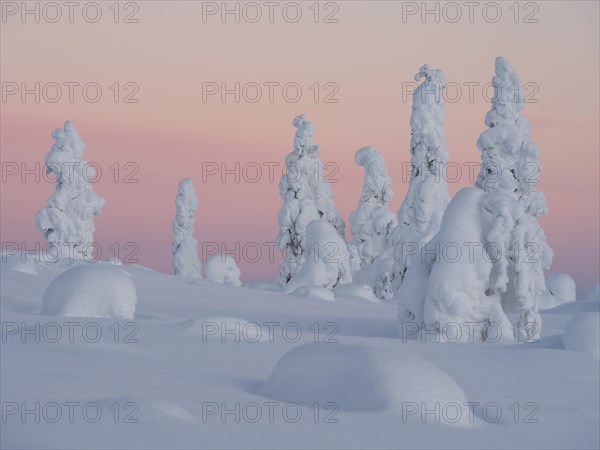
498, 281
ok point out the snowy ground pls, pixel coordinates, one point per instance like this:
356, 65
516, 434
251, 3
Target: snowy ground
170, 382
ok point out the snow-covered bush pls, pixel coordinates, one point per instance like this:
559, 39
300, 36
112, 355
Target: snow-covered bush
593, 294
372, 222
421, 211
223, 269
67, 223
582, 334
185, 246
326, 261
485, 266
560, 288
306, 197
91, 291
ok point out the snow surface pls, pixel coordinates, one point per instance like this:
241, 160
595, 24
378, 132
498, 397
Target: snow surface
91, 291
172, 370
582, 334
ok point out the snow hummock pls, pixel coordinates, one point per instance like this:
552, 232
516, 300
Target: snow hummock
560, 289
306, 196
67, 223
185, 246
582, 334
593, 294
420, 214
359, 378
91, 291
326, 261
221, 268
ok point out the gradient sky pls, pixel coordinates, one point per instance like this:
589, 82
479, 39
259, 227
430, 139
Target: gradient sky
368, 54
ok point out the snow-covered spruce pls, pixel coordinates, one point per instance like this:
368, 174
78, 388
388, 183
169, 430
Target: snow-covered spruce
372, 222
306, 197
420, 214
485, 266
185, 246
67, 223
221, 268
326, 261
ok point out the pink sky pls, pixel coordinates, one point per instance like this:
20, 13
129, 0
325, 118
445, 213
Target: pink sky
368, 54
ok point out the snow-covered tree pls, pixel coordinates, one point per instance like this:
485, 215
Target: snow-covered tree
372, 222
494, 273
185, 246
306, 197
421, 212
326, 262
67, 223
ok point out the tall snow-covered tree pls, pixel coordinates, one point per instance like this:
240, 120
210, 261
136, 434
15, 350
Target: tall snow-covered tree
495, 280
306, 197
421, 211
67, 223
372, 222
185, 246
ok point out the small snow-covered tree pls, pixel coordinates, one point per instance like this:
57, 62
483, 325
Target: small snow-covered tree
306, 195
185, 246
221, 268
372, 222
67, 223
421, 211
495, 273
326, 262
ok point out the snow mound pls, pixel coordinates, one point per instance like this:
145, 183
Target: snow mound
16, 263
316, 292
222, 269
561, 286
593, 295
582, 334
359, 378
91, 291
356, 290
